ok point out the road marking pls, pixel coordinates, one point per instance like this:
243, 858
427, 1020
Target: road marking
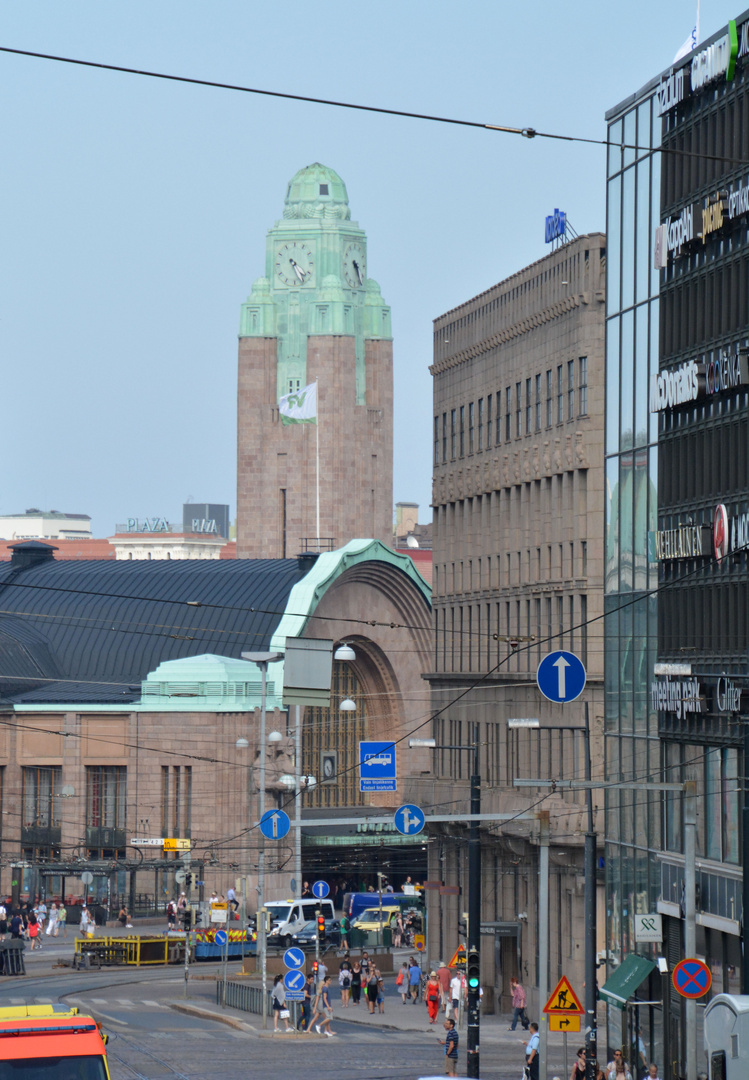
126, 1002
18, 1001
99, 1001
154, 1004
42, 1001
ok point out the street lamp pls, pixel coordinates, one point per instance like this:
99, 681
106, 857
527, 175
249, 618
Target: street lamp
262, 659
473, 948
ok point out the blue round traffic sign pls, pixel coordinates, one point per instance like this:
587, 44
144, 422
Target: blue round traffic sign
221, 937
561, 677
409, 819
293, 958
320, 890
274, 824
294, 980
692, 978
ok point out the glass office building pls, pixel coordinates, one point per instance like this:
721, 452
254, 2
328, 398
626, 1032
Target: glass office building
677, 449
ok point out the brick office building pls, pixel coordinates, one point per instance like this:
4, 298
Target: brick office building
518, 572
315, 315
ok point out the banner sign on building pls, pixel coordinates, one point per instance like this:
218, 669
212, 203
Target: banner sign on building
556, 226
726, 370
678, 696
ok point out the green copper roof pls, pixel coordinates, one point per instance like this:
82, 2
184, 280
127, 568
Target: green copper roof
316, 191
213, 683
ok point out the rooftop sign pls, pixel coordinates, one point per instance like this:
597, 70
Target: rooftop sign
556, 226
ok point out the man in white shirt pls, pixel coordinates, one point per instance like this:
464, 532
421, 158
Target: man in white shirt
456, 990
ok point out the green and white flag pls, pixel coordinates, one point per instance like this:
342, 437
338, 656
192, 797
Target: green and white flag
300, 407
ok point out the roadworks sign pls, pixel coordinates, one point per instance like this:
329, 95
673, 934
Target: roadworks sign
564, 999
459, 959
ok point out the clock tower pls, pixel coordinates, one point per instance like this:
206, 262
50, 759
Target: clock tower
316, 315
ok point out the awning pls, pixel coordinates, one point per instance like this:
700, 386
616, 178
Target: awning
627, 978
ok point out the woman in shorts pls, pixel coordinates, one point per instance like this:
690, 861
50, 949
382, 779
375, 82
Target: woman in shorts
278, 997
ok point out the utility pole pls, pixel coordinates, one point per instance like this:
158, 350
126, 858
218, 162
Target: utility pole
543, 934
690, 937
591, 988
474, 910
745, 865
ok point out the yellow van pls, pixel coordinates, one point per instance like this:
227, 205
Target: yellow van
370, 918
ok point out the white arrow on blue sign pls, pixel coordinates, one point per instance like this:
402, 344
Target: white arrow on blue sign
274, 824
409, 819
320, 889
293, 958
561, 677
294, 980
221, 937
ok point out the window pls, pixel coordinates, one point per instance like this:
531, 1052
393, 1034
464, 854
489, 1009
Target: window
582, 397
538, 402
452, 434
560, 394
40, 808
444, 437
106, 787
508, 413
294, 385
488, 421
584, 629
436, 440
518, 411
480, 422
462, 430
570, 389
549, 398
323, 189
470, 428
528, 385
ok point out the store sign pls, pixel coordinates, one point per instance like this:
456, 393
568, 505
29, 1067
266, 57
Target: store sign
716, 60
727, 695
143, 525
720, 533
727, 371
738, 202
674, 387
683, 542
679, 230
744, 39
712, 217
204, 525
678, 696
672, 90
556, 226
691, 380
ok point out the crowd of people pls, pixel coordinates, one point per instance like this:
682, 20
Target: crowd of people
32, 920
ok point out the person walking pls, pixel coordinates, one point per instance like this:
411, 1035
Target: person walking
356, 983
401, 982
518, 1004
278, 998
578, 1069
620, 1071
52, 921
456, 992
34, 928
345, 926
450, 1043
309, 996
16, 926
372, 989
531, 1051
3, 922
414, 980
380, 991
432, 995
327, 1009
443, 975
171, 915
62, 920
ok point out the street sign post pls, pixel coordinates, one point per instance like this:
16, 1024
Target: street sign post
564, 999
147, 841
459, 958
220, 937
409, 819
561, 677
568, 1023
320, 890
175, 843
294, 980
692, 978
420, 942
275, 824
294, 958
377, 766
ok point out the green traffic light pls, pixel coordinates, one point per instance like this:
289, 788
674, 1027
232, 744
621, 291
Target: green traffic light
473, 983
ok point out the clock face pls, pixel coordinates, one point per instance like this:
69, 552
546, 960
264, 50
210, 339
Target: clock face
354, 265
295, 263
328, 768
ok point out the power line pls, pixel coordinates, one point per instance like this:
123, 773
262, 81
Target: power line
524, 132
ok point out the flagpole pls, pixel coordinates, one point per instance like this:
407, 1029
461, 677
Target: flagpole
317, 458
698, 23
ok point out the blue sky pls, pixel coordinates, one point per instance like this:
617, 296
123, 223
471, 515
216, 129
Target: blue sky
135, 210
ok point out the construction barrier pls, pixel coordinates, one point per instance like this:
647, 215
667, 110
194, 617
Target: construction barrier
137, 951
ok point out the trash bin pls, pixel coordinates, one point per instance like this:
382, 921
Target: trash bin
11, 957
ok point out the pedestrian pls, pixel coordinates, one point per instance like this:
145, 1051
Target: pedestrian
531, 1051
34, 928
398, 931
16, 926
231, 898
456, 992
344, 981
653, 1071
618, 1056
443, 975
642, 1057
620, 1071
414, 980
124, 918
402, 981
327, 1009
578, 1069
87, 923
278, 1000
171, 915
52, 921
356, 976
345, 926
372, 989
62, 920
3, 922
450, 1043
432, 994
322, 971
309, 995
518, 1004
380, 991
41, 915
306, 891
365, 962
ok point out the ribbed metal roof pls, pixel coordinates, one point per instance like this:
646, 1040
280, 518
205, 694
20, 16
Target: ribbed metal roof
113, 622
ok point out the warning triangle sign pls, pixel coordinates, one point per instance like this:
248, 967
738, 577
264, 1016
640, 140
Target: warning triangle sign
564, 999
459, 959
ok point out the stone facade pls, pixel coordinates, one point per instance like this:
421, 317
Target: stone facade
518, 571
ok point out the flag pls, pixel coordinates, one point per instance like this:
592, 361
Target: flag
688, 46
299, 407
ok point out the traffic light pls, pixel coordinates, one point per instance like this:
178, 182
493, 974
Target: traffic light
473, 969
314, 969
320, 925
463, 927
186, 918
193, 880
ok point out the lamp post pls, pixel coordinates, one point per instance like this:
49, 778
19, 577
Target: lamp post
474, 894
262, 659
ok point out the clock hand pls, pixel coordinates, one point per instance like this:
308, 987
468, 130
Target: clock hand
301, 274
358, 271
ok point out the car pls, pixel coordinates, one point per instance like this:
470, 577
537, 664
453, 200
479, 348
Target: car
375, 918
307, 936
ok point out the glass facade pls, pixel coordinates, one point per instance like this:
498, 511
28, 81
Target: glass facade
632, 748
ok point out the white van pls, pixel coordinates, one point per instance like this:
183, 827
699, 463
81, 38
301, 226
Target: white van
290, 917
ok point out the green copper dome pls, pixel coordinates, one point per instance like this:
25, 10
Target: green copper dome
316, 192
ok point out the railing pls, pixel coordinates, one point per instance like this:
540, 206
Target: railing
241, 996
